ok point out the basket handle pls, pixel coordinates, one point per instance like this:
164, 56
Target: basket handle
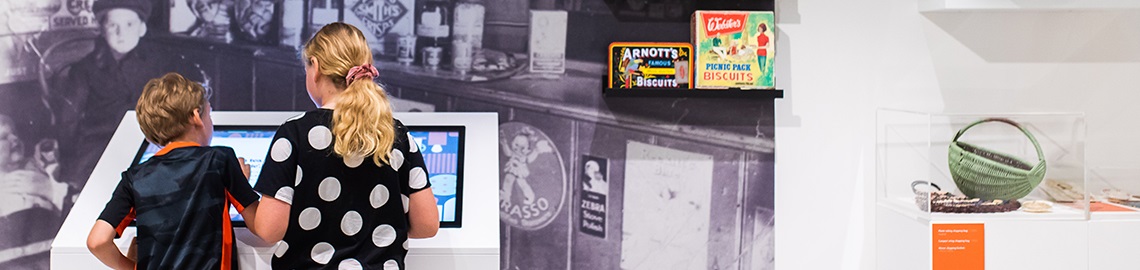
1037, 146
914, 186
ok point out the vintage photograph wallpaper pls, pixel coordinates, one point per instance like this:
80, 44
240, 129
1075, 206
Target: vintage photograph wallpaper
587, 181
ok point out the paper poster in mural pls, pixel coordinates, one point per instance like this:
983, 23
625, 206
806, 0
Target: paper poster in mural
595, 178
666, 210
734, 49
533, 177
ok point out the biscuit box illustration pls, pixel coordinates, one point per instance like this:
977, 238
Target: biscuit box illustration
650, 65
734, 49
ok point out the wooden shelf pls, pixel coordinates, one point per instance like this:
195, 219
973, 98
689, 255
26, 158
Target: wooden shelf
1025, 5
735, 93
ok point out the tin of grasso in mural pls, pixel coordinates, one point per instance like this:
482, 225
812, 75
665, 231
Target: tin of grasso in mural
533, 175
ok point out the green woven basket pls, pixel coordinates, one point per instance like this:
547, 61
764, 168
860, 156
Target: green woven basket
989, 175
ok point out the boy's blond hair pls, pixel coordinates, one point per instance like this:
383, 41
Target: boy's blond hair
166, 106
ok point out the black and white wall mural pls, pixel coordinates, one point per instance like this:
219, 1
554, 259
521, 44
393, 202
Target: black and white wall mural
587, 181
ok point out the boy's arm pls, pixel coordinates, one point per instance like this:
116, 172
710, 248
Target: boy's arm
119, 209
101, 244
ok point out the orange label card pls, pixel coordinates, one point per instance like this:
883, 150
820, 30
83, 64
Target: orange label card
959, 246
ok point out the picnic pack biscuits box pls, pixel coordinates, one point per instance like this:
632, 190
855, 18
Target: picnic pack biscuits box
649, 65
734, 49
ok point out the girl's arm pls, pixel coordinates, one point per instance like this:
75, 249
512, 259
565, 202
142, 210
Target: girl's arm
423, 214
267, 219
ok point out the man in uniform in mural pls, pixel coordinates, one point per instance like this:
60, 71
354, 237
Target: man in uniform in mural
98, 89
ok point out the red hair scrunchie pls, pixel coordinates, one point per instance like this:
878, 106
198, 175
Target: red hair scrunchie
361, 71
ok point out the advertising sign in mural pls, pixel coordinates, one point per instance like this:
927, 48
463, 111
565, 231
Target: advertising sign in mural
533, 177
595, 189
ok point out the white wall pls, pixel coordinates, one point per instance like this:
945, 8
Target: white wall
840, 60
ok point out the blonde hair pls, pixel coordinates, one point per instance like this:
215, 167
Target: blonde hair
166, 105
362, 120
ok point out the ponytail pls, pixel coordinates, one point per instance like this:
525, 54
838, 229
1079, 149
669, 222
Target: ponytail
362, 122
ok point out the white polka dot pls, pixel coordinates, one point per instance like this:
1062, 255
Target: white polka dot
281, 150
310, 218
299, 175
417, 179
329, 189
414, 146
379, 196
396, 159
320, 137
322, 253
294, 118
384, 235
285, 194
351, 223
406, 245
391, 265
353, 161
350, 264
404, 199
282, 247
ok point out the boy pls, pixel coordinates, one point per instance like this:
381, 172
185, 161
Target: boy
179, 198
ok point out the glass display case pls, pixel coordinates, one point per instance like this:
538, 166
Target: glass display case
1114, 192
947, 167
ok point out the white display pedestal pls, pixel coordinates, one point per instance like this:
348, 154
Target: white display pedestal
1015, 240
1112, 239
474, 246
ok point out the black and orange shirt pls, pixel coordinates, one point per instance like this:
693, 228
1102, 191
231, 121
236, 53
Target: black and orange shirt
180, 200
346, 212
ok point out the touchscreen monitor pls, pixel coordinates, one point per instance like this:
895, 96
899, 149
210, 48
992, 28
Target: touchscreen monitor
442, 148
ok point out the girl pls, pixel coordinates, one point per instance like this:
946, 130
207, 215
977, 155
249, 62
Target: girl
345, 186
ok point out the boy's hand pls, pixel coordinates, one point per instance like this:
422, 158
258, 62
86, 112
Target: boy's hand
244, 167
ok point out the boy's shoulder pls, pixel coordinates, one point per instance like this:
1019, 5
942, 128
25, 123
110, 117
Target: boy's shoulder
220, 149
188, 154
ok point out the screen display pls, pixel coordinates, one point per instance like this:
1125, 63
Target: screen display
251, 143
442, 148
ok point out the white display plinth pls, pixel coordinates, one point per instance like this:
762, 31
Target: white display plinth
474, 246
904, 241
